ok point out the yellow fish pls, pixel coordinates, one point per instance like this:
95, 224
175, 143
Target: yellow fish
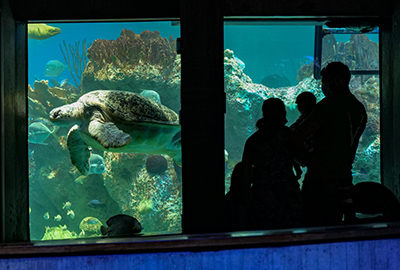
67, 205
42, 31
58, 218
71, 213
46, 215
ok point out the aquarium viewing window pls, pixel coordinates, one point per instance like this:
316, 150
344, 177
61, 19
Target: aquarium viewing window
270, 60
81, 177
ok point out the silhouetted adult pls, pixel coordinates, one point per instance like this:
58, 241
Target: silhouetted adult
270, 188
336, 125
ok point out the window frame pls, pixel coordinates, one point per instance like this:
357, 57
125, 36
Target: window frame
14, 175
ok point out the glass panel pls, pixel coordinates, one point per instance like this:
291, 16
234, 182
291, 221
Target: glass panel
126, 145
263, 61
277, 61
357, 51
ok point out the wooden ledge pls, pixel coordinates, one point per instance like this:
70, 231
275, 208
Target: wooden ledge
198, 242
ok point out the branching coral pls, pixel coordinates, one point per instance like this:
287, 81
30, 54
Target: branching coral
76, 61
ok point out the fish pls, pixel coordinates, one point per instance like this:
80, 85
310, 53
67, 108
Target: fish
67, 86
71, 213
275, 81
41, 31
151, 94
67, 205
96, 204
121, 225
39, 132
81, 179
58, 218
46, 215
54, 68
92, 221
97, 165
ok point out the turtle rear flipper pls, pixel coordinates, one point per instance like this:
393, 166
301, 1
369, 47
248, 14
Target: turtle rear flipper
78, 150
108, 134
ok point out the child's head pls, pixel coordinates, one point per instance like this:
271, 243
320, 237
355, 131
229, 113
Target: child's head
305, 102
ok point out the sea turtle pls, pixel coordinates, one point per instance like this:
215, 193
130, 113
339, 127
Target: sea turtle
118, 121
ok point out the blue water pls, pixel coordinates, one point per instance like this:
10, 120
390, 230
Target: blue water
42, 51
268, 50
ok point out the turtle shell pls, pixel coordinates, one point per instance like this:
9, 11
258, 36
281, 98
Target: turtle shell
123, 106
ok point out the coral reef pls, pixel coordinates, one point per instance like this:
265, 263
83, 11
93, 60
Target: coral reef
366, 167
155, 200
58, 233
244, 100
156, 164
42, 98
90, 227
135, 62
358, 53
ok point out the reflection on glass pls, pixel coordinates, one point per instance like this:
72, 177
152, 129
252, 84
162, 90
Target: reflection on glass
271, 53
357, 51
126, 145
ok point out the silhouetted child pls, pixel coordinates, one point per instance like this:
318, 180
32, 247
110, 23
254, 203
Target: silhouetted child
238, 219
306, 102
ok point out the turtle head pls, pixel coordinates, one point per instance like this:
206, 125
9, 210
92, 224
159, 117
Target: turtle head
65, 115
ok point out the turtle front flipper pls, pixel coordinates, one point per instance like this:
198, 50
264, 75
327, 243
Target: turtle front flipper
108, 134
78, 150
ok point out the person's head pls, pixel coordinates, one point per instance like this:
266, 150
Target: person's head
305, 102
335, 77
274, 112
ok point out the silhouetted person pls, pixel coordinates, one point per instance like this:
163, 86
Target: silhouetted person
306, 102
270, 188
336, 124
237, 214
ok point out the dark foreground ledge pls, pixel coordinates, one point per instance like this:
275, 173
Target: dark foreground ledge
145, 243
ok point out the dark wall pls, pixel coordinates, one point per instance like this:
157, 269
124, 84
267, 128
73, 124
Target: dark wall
202, 48
128, 9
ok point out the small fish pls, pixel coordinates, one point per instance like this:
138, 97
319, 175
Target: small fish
42, 31
58, 218
96, 204
71, 213
54, 68
151, 94
46, 215
92, 221
81, 179
97, 165
39, 132
67, 205
67, 86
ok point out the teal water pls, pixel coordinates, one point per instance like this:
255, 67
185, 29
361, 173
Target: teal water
142, 185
